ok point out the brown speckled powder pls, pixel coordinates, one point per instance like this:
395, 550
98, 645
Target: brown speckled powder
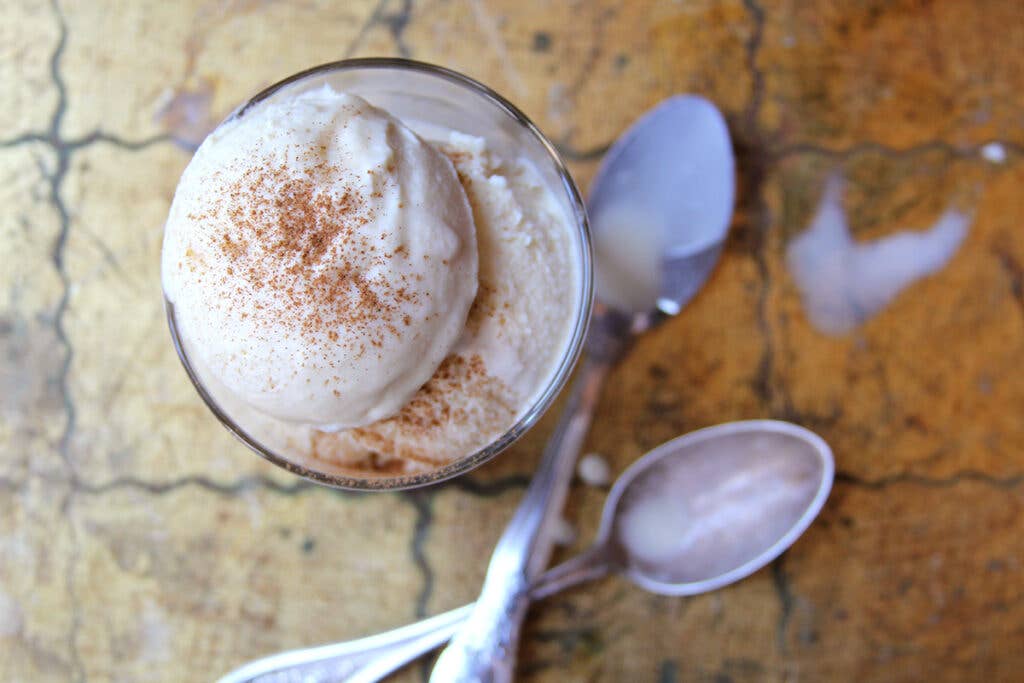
460, 400
306, 225
449, 416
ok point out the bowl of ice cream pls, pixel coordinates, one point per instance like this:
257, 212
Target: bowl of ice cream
377, 273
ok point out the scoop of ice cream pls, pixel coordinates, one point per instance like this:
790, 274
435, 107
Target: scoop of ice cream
321, 259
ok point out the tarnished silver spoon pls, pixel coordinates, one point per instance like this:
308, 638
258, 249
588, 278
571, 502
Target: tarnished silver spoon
693, 515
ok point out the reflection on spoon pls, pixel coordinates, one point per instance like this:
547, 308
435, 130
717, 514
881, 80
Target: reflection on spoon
711, 506
628, 247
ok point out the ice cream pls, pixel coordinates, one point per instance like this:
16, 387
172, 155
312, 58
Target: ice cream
322, 258
359, 298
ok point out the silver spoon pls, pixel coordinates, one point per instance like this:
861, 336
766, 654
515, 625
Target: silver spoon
660, 207
693, 515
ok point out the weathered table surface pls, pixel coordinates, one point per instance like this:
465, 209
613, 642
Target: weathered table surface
139, 542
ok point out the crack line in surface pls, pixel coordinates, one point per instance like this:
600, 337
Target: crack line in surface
95, 137
297, 486
785, 593
76, 612
100, 136
1008, 482
25, 138
221, 488
569, 152
753, 161
759, 224
589, 62
364, 30
871, 147
764, 385
490, 488
56, 179
422, 502
396, 23
757, 78
1014, 272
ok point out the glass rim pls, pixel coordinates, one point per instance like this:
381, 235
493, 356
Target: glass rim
558, 378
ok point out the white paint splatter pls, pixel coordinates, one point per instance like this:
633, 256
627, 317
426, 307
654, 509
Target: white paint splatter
492, 33
593, 470
254, 506
563, 533
843, 282
560, 107
187, 115
993, 153
155, 634
11, 617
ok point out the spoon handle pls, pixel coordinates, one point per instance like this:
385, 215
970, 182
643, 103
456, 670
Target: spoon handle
484, 649
355, 661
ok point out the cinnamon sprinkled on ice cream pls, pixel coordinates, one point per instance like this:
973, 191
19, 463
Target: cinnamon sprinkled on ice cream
357, 296
322, 259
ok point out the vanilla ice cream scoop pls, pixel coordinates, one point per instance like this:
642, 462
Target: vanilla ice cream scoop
321, 259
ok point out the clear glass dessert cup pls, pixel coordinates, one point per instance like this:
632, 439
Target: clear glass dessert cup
432, 95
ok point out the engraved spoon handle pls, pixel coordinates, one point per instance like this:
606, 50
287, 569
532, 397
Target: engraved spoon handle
356, 661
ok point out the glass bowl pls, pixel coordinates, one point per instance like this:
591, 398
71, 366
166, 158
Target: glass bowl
434, 96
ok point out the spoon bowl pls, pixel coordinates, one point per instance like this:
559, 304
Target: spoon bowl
660, 206
706, 509
715, 505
